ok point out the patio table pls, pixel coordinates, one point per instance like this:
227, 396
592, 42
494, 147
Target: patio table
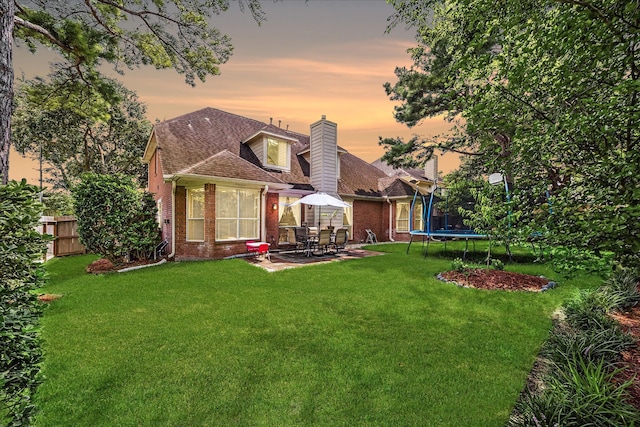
259, 248
310, 240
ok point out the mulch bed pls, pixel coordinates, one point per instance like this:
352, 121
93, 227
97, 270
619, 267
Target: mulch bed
630, 322
484, 278
103, 265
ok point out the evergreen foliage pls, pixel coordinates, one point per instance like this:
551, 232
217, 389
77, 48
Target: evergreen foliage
21, 247
115, 219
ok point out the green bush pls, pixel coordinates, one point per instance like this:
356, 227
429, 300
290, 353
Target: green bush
21, 249
497, 264
573, 261
622, 287
580, 393
115, 219
143, 234
594, 345
459, 265
589, 309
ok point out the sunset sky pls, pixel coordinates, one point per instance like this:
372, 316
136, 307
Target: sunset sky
321, 57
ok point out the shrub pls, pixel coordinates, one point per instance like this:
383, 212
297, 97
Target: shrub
590, 309
143, 234
21, 247
622, 287
580, 393
114, 217
459, 265
594, 345
497, 264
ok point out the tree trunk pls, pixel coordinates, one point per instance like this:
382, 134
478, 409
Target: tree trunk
7, 12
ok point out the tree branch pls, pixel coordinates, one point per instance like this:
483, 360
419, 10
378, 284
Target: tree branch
43, 32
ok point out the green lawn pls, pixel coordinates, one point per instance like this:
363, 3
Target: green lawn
376, 341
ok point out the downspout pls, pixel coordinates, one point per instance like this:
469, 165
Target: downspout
263, 214
173, 219
390, 219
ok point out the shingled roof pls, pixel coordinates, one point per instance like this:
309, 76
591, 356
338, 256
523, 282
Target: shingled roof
209, 142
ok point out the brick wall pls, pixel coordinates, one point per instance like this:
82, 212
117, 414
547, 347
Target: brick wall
373, 215
161, 190
272, 218
210, 249
196, 250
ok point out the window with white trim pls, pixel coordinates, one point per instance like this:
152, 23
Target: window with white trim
195, 214
277, 153
402, 216
237, 213
159, 213
418, 220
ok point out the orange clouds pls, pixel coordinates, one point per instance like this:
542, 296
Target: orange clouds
306, 60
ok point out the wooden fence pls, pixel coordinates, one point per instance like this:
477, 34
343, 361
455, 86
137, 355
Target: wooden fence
65, 231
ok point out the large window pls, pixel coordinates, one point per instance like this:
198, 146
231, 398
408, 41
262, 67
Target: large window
237, 213
277, 153
402, 216
418, 220
195, 214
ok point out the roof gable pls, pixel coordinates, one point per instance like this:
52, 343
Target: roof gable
227, 165
209, 143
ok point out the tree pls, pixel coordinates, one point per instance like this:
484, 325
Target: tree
70, 126
173, 34
546, 91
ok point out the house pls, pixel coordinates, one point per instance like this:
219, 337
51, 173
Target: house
220, 179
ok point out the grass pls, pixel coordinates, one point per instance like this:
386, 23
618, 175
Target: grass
375, 341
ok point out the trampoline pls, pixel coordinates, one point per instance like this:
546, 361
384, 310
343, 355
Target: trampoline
447, 229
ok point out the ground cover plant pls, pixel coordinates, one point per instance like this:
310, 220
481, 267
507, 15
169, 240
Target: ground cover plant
374, 341
583, 381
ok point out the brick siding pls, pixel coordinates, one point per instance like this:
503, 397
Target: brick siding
373, 215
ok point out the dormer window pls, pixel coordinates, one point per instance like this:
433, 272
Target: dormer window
277, 153
272, 149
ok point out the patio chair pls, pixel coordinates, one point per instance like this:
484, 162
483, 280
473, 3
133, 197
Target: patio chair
340, 241
371, 236
159, 250
301, 238
324, 241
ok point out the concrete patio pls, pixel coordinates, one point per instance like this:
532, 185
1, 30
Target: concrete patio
291, 259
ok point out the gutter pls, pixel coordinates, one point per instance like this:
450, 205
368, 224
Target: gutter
390, 218
173, 219
263, 214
